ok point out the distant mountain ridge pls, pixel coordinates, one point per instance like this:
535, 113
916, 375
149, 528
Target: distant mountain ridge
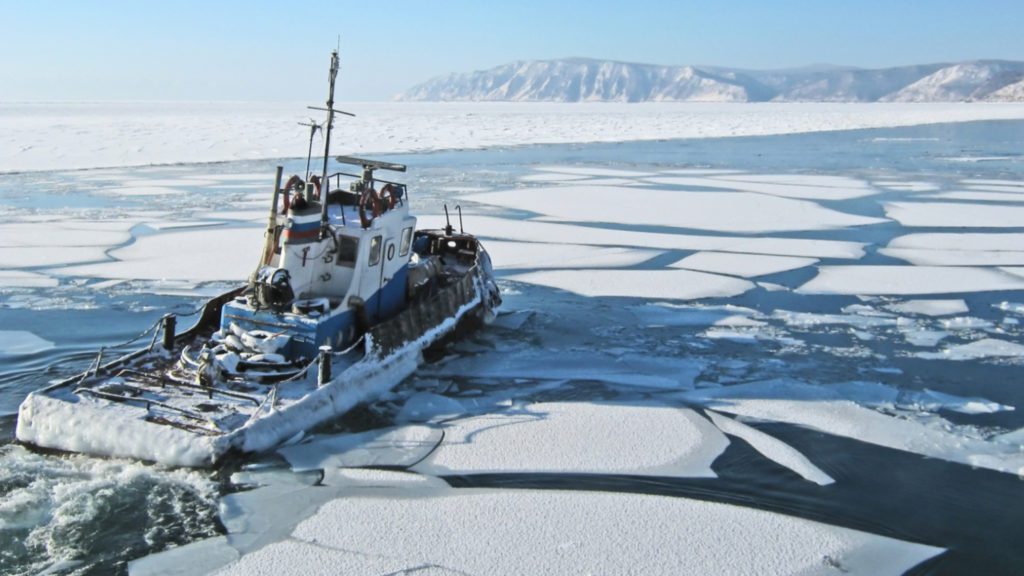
589, 80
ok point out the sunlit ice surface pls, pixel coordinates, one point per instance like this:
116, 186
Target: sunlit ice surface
815, 339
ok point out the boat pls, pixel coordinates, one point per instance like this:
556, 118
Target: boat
346, 297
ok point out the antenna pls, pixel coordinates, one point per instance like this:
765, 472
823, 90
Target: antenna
327, 143
313, 129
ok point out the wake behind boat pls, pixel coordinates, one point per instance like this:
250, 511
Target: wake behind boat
346, 296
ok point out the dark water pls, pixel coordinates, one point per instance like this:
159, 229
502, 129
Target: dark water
91, 515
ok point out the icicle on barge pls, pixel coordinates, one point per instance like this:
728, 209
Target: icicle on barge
346, 297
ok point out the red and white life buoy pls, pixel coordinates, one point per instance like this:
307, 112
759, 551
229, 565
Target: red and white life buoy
369, 197
388, 196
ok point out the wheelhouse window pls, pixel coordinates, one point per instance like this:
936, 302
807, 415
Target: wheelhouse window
406, 241
348, 251
375, 251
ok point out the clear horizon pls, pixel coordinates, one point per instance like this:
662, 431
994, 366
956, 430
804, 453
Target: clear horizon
105, 50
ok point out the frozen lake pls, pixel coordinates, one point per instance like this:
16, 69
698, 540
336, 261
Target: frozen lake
814, 339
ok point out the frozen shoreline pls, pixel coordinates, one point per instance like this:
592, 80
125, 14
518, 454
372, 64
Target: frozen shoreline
38, 136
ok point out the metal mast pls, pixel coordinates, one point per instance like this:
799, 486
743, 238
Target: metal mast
327, 146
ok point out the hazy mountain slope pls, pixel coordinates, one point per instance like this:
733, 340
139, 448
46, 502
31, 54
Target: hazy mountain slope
588, 80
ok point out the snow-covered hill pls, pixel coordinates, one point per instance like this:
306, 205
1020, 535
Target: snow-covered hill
587, 80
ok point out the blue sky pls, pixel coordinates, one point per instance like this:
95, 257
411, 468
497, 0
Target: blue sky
261, 50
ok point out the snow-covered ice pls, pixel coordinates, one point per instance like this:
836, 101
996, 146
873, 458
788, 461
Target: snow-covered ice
743, 212
44, 136
637, 438
771, 448
671, 284
954, 215
796, 186
743, 265
484, 532
840, 412
935, 307
179, 255
984, 348
907, 280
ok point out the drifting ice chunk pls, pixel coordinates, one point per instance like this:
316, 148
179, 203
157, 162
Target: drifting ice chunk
553, 233
877, 280
529, 255
929, 307
674, 284
819, 408
665, 314
556, 532
647, 439
19, 279
955, 215
772, 448
721, 211
784, 185
744, 265
175, 255
985, 348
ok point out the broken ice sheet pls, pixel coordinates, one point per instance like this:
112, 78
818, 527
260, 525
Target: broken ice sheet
669, 314
671, 284
771, 448
929, 307
908, 280
644, 438
957, 215
535, 256
839, 411
721, 211
743, 265
979, 349
810, 187
488, 532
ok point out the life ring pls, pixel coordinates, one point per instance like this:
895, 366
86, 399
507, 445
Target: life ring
294, 183
369, 197
388, 196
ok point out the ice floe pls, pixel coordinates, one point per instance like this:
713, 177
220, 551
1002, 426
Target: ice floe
540, 256
929, 307
19, 279
784, 185
549, 232
945, 249
722, 211
839, 411
667, 284
744, 265
485, 532
194, 255
907, 280
985, 196
985, 348
771, 448
586, 437
907, 186
21, 343
668, 314
955, 215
